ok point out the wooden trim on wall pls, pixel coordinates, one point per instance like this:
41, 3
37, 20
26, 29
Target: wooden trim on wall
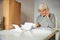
11, 13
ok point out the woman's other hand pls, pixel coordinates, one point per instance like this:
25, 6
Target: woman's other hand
38, 25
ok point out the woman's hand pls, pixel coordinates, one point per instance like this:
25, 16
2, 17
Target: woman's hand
47, 14
38, 25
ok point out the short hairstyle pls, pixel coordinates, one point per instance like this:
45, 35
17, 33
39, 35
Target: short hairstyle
43, 6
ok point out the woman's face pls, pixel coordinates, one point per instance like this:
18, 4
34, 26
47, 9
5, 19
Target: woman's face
43, 12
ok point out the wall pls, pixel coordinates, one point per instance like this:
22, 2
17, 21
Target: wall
27, 10
1, 14
0, 9
54, 6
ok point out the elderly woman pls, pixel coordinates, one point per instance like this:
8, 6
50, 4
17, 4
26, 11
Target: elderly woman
45, 18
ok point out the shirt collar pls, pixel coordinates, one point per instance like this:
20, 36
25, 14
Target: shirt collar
42, 15
45, 16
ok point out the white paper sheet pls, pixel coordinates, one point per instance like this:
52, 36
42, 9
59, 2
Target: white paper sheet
27, 26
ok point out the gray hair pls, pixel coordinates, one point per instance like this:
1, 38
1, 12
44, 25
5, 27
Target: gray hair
43, 6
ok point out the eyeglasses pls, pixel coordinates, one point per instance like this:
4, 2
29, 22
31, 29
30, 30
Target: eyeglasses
42, 10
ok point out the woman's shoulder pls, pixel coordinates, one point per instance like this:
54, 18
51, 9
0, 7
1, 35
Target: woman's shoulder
39, 16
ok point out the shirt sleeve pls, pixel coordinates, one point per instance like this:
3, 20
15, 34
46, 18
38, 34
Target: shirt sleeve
52, 23
36, 19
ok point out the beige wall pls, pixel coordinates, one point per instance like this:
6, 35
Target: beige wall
0, 8
0, 14
27, 10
